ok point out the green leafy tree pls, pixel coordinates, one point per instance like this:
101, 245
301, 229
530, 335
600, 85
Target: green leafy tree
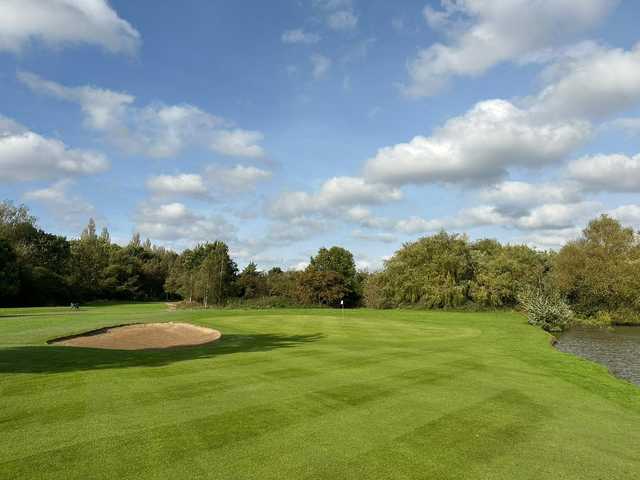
89, 262
251, 282
600, 272
321, 288
433, 272
340, 261
500, 272
9, 273
215, 275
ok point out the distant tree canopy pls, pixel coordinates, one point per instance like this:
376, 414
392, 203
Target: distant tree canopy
600, 272
331, 277
38, 268
597, 274
448, 271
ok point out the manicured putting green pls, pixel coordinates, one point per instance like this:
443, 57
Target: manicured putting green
288, 394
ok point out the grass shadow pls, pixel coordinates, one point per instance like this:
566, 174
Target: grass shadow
59, 359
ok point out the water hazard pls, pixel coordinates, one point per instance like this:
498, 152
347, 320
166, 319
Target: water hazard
617, 348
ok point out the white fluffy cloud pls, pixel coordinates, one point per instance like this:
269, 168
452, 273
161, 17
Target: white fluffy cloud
25, 156
215, 179
238, 143
175, 222
467, 218
335, 193
554, 216
69, 210
189, 184
366, 219
545, 217
614, 173
156, 130
549, 239
239, 178
65, 22
583, 85
481, 144
592, 84
627, 214
298, 35
484, 33
514, 198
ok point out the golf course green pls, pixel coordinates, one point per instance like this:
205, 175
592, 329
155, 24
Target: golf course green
288, 394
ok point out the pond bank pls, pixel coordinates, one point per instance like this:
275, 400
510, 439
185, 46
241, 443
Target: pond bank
616, 348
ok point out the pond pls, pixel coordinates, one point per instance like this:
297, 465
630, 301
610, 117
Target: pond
617, 348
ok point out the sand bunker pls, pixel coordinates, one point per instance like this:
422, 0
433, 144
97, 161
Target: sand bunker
142, 336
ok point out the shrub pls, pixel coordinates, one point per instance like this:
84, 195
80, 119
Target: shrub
545, 309
624, 316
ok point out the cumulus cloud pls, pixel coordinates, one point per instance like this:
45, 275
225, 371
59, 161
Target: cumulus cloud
187, 184
547, 217
238, 143
467, 218
298, 35
320, 65
555, 216
479, 145
627, 214
549, 239
484, 33
594, 84
613, 173
175, 222
582, 86
156, 130
366, 219
215, 179
515, 198
26, 156
68, 210
239, 178
58, 23
335, 193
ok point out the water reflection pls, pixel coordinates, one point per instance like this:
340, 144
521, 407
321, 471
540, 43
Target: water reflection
618, 349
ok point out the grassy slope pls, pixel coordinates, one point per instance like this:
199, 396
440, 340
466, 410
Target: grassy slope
306, 394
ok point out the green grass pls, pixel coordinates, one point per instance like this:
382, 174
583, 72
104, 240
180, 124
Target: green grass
291, 394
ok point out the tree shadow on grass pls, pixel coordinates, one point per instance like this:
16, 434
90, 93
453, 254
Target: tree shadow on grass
59, 359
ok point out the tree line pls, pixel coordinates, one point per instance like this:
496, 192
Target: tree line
596, 275
40, 268
595, 278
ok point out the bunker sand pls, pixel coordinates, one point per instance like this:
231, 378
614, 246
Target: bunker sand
142, 336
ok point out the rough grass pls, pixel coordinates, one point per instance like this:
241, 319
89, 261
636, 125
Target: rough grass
308, 394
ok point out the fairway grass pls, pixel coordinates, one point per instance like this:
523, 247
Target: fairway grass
289, 394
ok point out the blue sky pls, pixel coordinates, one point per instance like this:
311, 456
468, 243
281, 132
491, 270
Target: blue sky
284, 126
